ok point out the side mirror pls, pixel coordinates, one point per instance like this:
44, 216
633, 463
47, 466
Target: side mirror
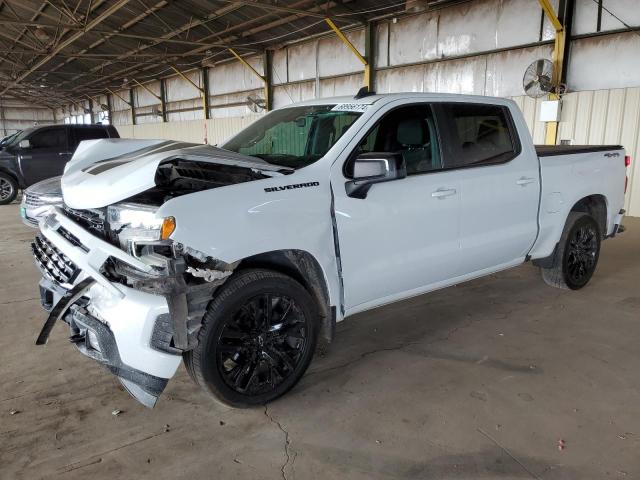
25, 144
370, 168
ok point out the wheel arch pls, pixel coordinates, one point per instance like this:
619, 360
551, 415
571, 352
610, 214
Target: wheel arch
305, 269
597, 206
11, 174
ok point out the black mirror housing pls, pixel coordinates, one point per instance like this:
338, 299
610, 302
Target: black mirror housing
371, 168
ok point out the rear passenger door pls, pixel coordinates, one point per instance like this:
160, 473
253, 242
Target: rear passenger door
499, 184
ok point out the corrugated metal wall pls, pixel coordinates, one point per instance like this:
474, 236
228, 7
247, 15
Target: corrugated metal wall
16, 116
480, 47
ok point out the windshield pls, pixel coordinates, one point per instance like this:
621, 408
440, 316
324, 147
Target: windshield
8, 138
18, 137
293, 137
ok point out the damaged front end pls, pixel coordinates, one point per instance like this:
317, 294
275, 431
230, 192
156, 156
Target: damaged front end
133, 298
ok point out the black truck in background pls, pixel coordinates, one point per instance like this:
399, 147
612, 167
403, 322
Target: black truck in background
41, 152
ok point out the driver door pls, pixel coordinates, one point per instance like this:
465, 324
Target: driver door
403, 238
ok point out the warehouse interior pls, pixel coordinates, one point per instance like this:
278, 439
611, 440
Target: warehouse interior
500, 377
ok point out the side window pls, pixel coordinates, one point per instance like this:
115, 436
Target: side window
480, 134
49, 138
409, 131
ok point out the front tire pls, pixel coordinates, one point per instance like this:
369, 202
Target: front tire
8, 189
257, 339
577, 255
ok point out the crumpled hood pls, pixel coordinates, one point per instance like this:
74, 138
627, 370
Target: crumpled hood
103, 172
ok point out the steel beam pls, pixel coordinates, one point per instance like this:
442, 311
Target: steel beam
205, 92
204, 95
280, 8
365, 61
267, 62
163, 102
114, 7
132, 101
264, 78
147, 89
121, 98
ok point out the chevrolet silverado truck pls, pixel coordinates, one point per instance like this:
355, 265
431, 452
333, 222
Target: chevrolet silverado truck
240, 259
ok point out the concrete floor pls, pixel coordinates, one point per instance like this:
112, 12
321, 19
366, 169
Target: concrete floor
476, 381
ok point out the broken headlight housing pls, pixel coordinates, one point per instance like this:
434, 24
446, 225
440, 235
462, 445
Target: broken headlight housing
136, 226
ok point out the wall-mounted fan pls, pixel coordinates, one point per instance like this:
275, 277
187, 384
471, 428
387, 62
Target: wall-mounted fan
256, 104
538, 78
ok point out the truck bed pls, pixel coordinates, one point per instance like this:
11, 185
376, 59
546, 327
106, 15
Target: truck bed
552, 150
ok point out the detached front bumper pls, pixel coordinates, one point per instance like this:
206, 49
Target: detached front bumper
109, 322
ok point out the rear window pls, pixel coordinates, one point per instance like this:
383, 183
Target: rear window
90, 133
480, 134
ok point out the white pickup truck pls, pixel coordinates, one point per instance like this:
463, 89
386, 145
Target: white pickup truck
241, 259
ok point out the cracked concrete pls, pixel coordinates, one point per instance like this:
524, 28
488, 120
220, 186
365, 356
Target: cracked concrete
287, 443
476, 381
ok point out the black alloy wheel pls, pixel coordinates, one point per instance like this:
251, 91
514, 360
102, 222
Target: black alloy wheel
257, 338
581, 254
261, 344
577, 253
8, 189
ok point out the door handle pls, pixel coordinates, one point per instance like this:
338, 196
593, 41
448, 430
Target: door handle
522, 181
64, 153
443, 193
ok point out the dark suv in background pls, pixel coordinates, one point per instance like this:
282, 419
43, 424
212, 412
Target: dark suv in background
41, 152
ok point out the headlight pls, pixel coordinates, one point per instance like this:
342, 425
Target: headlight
138, 224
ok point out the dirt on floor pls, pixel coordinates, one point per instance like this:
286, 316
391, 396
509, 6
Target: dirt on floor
503, 377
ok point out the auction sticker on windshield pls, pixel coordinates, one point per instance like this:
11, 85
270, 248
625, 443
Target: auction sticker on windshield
350, 107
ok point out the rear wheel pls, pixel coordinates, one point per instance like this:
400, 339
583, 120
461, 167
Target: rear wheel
577, 255
8, 189
257, 339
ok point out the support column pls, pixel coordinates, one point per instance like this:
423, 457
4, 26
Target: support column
560, 47
163, 101
109, 109
132, 105
93, 120
266, 78
267, 62
365, 62
205, 93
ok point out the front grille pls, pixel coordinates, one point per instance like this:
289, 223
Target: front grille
91, 219
32, 201
53, 263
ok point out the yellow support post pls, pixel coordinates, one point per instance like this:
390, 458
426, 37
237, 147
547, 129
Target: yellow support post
365, 62
263, 78
203, 95
147, 89
114, 93
558, 57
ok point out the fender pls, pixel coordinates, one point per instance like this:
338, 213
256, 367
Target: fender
236, 222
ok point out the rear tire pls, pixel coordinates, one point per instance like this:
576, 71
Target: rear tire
8, 189
577, 255
258, 337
